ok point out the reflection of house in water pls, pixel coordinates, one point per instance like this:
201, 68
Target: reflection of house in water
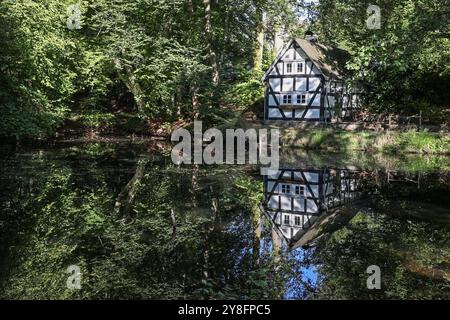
296, 199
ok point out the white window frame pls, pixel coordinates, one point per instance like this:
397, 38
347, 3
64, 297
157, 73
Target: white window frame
286, 188
301, 189
288, 218
287, 99
291, 65
300, 99
301, 69
299, 221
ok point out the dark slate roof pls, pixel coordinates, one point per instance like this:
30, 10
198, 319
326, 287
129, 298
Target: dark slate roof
329, 60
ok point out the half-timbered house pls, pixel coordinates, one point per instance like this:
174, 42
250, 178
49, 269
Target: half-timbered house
294, 199
306, 83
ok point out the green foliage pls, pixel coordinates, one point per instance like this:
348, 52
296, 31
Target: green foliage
249, 91
407, 253
58, 209
97, 119
156, 59
20, 121
150, 58
38, 67
65, 217
405, 64
424, 142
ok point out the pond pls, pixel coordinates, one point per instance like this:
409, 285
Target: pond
119, 220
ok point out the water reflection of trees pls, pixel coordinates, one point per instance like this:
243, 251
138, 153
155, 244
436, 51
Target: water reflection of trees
133, 228
402, 225
68, 207
413, 256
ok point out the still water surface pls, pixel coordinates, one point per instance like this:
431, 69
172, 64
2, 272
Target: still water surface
138, 226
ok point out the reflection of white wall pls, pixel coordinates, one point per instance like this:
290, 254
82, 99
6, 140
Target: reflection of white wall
289, 54
313, 84
311, 206
285, 202
280, 67
307, 210
293, 201
290, 229
316, 101
314, 189
310, 176
299, 113
273, 202
299, 204
330, 189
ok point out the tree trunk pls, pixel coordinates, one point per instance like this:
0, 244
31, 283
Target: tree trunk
256, 220
194, 186
276, 244
126, 196
129, 79
210, 231
174, 226
209, 42
177, 99
259, 44
194, 99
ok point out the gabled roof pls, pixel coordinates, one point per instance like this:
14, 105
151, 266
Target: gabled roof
329, 60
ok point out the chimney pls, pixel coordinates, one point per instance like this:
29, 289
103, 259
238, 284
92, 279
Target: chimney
310, 36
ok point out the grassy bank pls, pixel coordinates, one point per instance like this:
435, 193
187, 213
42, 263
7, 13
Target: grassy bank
381, 142
357, 160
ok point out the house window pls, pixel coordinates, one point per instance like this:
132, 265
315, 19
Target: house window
288, 67
301, 98
287, 219
299, 190
287, 99
286, 189
297, 221
300, 67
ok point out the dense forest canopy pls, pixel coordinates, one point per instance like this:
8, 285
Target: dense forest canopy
162, 61
405, 65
